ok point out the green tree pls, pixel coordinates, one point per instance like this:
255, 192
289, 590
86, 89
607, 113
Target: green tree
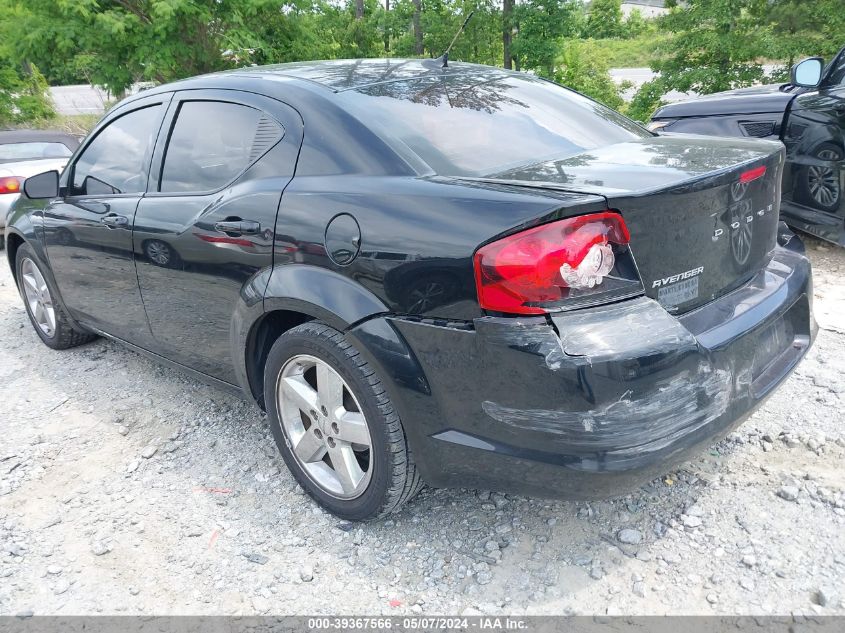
648, 98
583, 66
716, 47
541, 26
24, 95
267, 33
798, 28
604, 19
507, 33
116, 42
479, 42
635, 24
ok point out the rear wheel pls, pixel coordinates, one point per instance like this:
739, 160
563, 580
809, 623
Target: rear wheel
335, 425
51, 323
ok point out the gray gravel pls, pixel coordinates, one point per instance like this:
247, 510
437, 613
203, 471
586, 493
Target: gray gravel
126, 487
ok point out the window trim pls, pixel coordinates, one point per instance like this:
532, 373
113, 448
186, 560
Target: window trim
173, 118
67, 176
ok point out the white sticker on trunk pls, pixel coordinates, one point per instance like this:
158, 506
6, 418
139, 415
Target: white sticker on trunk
678, 293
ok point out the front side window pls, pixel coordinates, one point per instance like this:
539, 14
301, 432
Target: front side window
116, 160
212, 142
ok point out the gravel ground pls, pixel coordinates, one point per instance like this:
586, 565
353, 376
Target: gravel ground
126, 487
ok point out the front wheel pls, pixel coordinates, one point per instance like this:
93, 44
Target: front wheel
819, 185
51, 323
335, 425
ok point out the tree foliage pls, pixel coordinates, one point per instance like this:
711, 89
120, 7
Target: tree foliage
701, 45
722, 44
583, 66
541, 26
23, 89
604, 19
23, 94
716, 47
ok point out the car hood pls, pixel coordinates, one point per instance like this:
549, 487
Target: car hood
641, 166
27, 168
755, 100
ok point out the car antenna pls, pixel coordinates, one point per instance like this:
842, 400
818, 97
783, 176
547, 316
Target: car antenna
445, 56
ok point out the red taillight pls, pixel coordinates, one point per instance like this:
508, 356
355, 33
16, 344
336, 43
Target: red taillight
10, 184
219, 239
752, 174
543, 264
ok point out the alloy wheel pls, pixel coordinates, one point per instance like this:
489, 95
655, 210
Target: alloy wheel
38, 298
158, 252
324, 426
823, 181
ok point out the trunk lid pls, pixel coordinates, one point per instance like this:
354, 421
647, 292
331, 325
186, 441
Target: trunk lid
697, 230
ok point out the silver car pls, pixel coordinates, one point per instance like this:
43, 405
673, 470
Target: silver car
24, 153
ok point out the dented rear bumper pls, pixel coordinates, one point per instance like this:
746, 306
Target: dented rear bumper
597, 401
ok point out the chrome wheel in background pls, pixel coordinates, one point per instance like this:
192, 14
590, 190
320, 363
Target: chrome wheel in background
324, 426
158, 252
823, 181
38, 298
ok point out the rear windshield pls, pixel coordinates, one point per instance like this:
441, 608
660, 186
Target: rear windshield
33, 151
478, 124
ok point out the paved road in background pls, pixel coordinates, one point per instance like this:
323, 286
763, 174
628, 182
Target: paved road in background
638, 76
81, 99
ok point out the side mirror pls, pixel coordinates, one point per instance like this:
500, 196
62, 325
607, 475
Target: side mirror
807, 73
42, 186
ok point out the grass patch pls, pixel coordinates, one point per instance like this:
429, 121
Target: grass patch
78, 124
636, 52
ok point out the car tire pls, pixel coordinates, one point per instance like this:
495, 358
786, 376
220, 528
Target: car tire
302, 372
820, 187
161, 254
47, 315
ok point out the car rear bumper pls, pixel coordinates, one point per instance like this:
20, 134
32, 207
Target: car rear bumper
6, 201
598, 401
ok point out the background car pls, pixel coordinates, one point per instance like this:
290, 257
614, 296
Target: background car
808, 115
452, 274
24, 153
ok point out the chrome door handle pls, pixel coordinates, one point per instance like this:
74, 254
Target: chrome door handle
115, 221
238, 227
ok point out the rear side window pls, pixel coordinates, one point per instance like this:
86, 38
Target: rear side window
116, 160
212, 142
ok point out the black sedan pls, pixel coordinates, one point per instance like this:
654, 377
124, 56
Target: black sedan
455, 275
808, 115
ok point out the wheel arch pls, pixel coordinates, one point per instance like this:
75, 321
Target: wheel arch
13, 242
293, 294
838, 143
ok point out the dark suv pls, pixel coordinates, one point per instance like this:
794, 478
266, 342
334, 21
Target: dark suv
808, 115
452, 274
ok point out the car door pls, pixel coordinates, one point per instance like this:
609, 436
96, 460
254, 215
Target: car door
207, 224
815, 140
88, 229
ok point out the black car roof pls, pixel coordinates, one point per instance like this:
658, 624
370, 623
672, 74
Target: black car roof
335, 75
39, 136
351, 74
